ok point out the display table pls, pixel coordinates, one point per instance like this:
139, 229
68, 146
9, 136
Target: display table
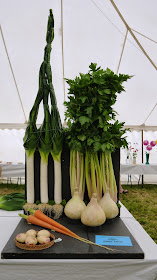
80, 269
12, 170
138, 169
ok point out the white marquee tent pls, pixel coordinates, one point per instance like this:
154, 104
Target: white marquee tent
85, 31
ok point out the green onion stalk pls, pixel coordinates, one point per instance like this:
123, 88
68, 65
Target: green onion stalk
94, 179
108, 177
112, 180
103, 172
77, 174
100, 176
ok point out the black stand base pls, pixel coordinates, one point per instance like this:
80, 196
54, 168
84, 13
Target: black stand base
70, 248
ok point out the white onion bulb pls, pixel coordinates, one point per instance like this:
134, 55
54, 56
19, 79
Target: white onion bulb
74, 207
93, 215
108, 206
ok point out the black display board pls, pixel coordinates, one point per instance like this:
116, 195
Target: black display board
65, 163
70, 248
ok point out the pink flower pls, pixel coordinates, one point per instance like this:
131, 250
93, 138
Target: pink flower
152, 143
149, 148
145, 142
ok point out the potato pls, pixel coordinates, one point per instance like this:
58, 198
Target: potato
44, 232
21, 237
31, 240
31, 232
43, 240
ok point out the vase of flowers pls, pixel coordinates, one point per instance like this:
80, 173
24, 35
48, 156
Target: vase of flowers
147, 158
128, 154
134, 160
149, 147
134, 155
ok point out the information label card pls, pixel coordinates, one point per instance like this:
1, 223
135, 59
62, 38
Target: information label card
113, 240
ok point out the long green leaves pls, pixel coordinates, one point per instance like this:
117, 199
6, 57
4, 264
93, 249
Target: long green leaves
12, 202
57, 134
89, 111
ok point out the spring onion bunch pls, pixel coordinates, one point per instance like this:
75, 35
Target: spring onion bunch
92, 128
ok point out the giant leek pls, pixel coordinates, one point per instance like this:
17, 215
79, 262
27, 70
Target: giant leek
48, 138
51, 136
44, 150
31, 139
55, 121
57, 146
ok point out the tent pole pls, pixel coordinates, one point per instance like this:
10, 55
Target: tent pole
142, 156
62, 49
122, 51
142, 145
13, 74
132, 34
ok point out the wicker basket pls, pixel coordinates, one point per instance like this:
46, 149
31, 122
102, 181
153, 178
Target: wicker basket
35, 247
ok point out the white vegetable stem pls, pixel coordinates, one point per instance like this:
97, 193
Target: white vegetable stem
57, 182
43, 181
30, 177
77, 174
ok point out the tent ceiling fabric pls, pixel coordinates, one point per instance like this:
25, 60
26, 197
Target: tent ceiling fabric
92, 32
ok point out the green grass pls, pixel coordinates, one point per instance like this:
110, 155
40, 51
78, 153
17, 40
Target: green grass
142, 204
10, 188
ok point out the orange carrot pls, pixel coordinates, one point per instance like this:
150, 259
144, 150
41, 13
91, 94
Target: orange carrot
35, 221
40, 215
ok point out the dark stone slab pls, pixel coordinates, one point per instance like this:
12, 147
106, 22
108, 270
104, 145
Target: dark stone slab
115, 227
70, 248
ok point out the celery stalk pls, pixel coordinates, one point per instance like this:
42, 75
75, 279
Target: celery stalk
113, 187
88, 180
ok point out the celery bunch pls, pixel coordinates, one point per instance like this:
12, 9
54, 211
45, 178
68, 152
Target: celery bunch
92, 126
